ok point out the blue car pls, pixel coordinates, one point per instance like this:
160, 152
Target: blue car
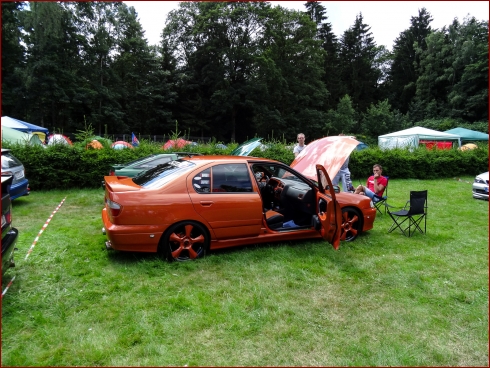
12, 166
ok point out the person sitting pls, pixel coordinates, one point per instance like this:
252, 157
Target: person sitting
375, 184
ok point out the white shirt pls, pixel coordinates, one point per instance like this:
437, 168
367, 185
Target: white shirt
298, 148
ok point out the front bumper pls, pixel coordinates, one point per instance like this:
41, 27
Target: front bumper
8, 246
480, 191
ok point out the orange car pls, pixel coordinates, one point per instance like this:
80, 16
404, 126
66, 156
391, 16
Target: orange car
186, 207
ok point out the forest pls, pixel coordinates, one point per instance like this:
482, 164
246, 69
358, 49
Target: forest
234, 70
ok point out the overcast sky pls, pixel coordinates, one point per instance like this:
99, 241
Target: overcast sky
386, 18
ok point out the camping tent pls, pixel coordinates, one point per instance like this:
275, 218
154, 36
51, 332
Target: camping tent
121, 145
16, 136
179, 143
95, 144
468, 135
24, 127
59, 139
411, 138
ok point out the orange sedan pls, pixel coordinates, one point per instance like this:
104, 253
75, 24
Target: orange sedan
186, 207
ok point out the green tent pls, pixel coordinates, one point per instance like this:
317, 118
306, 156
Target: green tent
16, 136
468, 135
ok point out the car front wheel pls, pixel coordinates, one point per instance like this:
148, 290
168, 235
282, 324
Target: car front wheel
351, 224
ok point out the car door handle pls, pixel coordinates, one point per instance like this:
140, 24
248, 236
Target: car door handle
206, 203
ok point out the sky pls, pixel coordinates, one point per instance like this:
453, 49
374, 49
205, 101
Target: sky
387, 19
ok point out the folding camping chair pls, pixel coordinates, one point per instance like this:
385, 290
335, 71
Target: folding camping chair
416, 213
381, 200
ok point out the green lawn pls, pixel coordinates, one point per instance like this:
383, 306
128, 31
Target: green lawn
382, 300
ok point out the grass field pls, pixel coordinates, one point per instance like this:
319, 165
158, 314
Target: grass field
382, 300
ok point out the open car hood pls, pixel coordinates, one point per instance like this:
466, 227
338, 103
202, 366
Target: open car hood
246, 148
331, 152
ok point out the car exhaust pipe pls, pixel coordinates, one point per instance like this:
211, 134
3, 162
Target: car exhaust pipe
108, 245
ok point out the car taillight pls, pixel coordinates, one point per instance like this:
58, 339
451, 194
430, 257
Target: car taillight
114, 207
112, 173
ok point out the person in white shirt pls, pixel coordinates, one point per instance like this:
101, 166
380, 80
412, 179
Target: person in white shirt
301, 144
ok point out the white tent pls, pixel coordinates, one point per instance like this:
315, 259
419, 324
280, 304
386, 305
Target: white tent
410, 138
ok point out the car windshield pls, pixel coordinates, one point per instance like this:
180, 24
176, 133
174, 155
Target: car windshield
162, 174
139, 160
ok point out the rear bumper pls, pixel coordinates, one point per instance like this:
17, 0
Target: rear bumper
135, 238
8, 246
19, 189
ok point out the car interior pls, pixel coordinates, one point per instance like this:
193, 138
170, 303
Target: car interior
289, 202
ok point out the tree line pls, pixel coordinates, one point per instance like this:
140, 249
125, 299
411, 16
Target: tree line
234, 70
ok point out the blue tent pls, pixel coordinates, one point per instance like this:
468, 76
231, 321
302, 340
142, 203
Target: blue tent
22, 125
25, 127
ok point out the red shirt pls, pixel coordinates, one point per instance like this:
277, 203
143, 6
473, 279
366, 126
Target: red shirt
381, 181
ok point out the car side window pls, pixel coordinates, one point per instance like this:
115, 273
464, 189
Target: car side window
202, 181
226, 178
231, 178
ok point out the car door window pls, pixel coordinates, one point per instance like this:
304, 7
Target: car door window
226, 178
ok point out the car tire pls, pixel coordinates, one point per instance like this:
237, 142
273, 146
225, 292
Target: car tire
351, 224
184, 241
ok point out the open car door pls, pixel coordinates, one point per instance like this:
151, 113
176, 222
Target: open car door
329, 211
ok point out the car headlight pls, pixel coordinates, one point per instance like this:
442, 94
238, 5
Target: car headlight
479, 180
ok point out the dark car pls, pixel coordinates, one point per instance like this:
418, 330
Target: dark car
9, 233
13, 167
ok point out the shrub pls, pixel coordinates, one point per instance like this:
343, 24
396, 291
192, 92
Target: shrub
63, 167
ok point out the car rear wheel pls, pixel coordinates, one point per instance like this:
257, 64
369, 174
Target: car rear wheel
184, 241
351, 224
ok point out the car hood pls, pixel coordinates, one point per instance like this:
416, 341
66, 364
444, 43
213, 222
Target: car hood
483, 176
246, 148
331, 152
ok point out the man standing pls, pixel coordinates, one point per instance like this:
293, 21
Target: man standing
375, 184
344, 176
301, 144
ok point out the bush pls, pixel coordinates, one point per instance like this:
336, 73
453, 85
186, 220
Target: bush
421, 163
63, 167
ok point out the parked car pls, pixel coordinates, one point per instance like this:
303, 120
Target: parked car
9, 233
135, 167
480, 186
13, 167
186, 207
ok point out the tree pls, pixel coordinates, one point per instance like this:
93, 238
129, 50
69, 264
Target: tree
341, 120
468, 72
13, 60
290, 94
357, 56
379, 119
330, 44
47, 74
146, 98
403, 73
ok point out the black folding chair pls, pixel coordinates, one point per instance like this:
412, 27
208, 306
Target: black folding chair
415, 214
379, 201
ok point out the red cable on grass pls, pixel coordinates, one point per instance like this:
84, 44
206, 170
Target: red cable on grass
44, 227
35, 241
10, 283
